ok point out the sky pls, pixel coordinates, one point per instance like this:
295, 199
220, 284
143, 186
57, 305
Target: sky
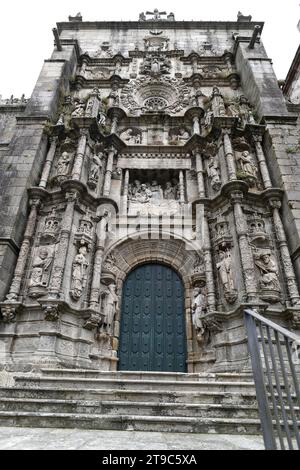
26, 38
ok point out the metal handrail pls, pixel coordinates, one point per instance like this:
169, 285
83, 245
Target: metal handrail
275, 375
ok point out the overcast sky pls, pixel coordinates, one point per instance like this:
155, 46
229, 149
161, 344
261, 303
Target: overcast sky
26, 29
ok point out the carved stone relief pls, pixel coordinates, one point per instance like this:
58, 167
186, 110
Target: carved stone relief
131, 136
40, 271
214, 175
104, 51
95, 169
155, 65
179, 136
268, 269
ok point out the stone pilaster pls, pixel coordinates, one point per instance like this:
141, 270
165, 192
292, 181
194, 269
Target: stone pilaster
210, 283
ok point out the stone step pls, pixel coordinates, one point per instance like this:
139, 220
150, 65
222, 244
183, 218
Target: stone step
161, 376
129, 395
122, 384
129, 408
132, 423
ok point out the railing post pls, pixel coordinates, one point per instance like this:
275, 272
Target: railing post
259, 379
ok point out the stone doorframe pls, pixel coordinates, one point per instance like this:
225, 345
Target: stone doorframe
131, 253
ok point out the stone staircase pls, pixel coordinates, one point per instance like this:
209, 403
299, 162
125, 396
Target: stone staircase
223, 403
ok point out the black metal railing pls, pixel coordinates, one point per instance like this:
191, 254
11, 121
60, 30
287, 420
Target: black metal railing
275, 356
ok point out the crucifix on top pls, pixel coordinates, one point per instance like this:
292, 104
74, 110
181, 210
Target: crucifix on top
156, 15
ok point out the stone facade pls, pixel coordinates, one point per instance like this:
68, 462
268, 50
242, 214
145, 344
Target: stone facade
177, 126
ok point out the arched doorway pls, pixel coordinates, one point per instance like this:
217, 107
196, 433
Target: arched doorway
153, 328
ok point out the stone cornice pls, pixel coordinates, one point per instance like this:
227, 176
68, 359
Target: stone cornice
146, 25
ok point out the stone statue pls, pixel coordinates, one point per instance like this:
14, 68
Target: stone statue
156, 14
224, 267
111, 305
63, 164
79, 110
95, 169
213, 172
114, 97
268, 268
247, 165
218, 106
199, 307
79, 273
157, 193
142, 195
170, 192
41, 269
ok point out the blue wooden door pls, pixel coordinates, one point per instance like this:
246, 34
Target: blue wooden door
153, 335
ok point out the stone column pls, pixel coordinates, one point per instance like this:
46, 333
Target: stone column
245, 250
285, 254
55, 287
24, 251
200, 172
182, 187
262, 163
96, 279
48, 163
229, 155
210, 284
78, 163
125, 191
108, 172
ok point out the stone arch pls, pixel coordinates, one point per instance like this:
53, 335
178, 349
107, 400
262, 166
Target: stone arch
130, 253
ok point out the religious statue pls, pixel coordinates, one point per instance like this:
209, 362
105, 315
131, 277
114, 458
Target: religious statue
213, 172
169, 192
156, 14
268, 268
41, 268
199, 307
111, 305
79, 273
79, 110
218, 106
224, 267
157, 192
95, 169
114, 96
142, 195
247, 165
63, 164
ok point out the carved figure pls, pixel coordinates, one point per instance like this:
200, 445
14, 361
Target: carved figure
268, 268
247, 165
63, 164
170, 192
95, 169
41, 269
79, 110
110, 308
79, 273
225, 270
199, 307
213, 172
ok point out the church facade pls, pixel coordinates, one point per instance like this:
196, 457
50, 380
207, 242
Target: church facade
149, 193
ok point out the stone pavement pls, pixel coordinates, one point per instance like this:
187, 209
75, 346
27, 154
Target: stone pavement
72, 439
